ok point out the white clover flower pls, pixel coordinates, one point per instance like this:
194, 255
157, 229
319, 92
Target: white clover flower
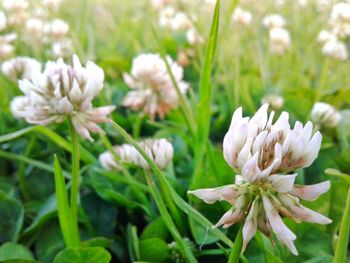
159, 150
336, 50
62, 91
325, 115
275, 101
62, 48
52, 4
242, 17
18, 106
274, 21
279, 41
34, 27
15, 6
56, 29
152, 89
325, 36
3, 21
193, 37
6, 48
166, 16
21, 68
262, 153
340, 19
160, 4
181, 22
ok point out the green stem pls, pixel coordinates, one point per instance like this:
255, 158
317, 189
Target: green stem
75, 180
341, 248
167, 218
236, 248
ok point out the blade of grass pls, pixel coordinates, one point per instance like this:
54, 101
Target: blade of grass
86, 156
188, 209
236, 248
341, 248
203, 110
69, 232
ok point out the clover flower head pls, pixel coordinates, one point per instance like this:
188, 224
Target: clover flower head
242, 17
152, 89
279, 41
325, 115
62, 91
276, 102
194, 37
340, 19
6, 47
325, 36
160, 4
274, 21
263, 153
56, 29
21, 68
63, 48
159, 150
34, 26
336, 50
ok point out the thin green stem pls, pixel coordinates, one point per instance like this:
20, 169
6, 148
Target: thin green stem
75, 177
236, 248
341, 248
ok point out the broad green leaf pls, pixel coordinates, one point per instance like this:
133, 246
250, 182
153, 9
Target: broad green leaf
13, 251
153, 250
11, 218
156, 228
83, 255
96, 242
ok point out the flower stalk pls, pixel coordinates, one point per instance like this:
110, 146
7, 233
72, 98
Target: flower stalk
236, 248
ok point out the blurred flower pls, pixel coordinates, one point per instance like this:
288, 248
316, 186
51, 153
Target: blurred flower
275, 101
181, 22
52, 5
15, 6
62, 48
335, 49
21, 68
279, 40
6, 48
325, 115
260, 151
160, 4
193, 37
340, 19
159, 150
56, 29
166, 16
274, 21
241, 16
63, 91
3, 21
34, 27
325, 36
153, 91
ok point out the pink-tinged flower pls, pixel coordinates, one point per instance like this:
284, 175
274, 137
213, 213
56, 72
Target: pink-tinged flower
159, 150
62, 91
20, 68
242, 17
325, 115
153, 91
279, 40
274, 21
262, 153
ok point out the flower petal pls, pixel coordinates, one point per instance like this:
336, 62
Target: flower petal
211, 195
310, 192
282, 183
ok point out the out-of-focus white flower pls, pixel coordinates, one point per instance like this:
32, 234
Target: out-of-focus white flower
15, 6
303, 3
325, 36
3, 21
56, 28
241, 16
262, 152
34, 27
181, 22
193, 37
153, 91
166, 16
159, 150
275, 101
52, 5
325, 115
160, 4
18, 106
280, 3
340, 19
21, 68
335, 49
6, 48
279, 40
274, 21
62, 91
62, 48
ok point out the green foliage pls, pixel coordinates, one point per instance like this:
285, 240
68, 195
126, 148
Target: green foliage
83, 255
10, 252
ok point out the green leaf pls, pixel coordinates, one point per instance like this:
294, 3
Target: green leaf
320, 259
96, 242
11, 218
133, 242
156, 228
12, 251
266, 245
154, 250
203, 111
236, 249
70, 233
83, 255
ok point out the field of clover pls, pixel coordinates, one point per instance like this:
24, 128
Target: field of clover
174, 131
